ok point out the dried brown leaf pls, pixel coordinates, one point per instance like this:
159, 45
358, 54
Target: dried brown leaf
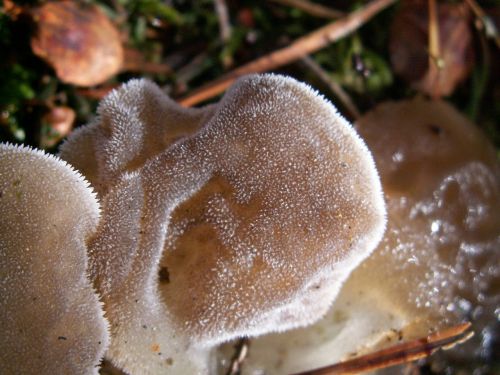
436, 76
78, 41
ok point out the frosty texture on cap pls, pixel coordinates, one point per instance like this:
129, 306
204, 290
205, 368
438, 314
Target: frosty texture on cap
239, 218
50, 317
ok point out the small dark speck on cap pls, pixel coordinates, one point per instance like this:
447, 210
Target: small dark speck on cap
435, 129
164, 275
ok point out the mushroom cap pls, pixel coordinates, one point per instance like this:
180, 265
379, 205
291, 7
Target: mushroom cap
50, 317
443, 194
438, 262
290, 205
135, 123
248, 223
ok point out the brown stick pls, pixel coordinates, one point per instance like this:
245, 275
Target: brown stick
434, 42
334, 86
96, 93
135, 62
241, 352
435, 59
485, 22
313, 9
400, 353
223, 17
301, 47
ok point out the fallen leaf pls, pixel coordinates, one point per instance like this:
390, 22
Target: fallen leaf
78, 41
409, 47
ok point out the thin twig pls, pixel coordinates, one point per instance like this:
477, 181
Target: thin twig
301, 47
96, 93
486, 23
400, 353
224, 29
435, 59
434, 42
223, 17
334, 86
317, 10
135, 62
192, 68
241, 352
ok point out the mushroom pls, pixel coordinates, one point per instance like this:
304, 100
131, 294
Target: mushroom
118, 142
236, 219
50, 317
438, 262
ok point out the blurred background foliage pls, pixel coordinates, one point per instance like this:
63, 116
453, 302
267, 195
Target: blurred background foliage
184, 44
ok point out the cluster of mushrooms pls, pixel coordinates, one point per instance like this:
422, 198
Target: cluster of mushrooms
160, 233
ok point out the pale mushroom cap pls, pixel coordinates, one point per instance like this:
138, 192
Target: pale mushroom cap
135, 122
438, 262
50, 317
443, 194
441, 179
257, 216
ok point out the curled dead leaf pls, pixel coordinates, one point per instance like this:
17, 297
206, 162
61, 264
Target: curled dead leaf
436, 76
78, 41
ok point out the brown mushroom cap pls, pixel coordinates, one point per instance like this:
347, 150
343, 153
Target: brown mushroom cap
50, 317
248, 224
275, 227
438, 262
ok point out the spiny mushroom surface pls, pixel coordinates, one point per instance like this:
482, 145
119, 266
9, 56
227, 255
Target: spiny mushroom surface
239, 218
438, 262
50, 317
